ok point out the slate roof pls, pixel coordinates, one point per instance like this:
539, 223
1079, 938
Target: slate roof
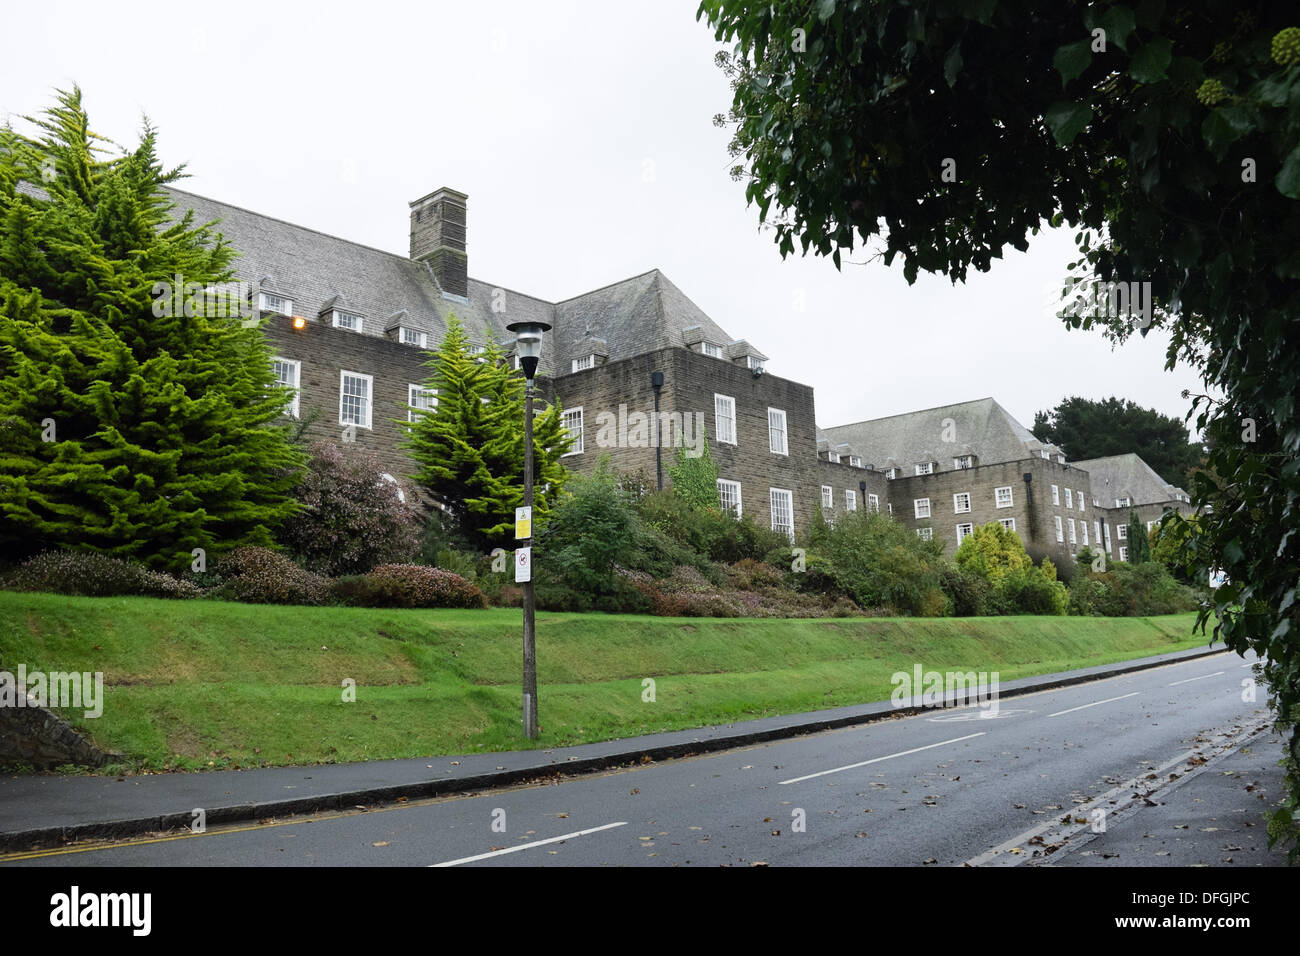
982, 428
1127, 476
641, 314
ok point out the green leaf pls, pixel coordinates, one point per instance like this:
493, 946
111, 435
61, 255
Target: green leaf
1118, 22
1150, 63
952, 64
1288, 177
1072, 59
1223, 127
824, 9
1066, 120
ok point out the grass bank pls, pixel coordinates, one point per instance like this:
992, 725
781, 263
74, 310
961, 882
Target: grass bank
207, 684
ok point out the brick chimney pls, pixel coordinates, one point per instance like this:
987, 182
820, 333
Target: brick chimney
438, 238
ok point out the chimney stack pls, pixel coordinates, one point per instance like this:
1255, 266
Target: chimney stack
438, 238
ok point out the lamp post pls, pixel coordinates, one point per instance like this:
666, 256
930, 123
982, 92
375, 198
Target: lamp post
528, 339
657, 382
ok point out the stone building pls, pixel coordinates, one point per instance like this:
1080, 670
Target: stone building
641, 372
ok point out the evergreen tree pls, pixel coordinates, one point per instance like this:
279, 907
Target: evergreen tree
123, 431
470, 452
1139, 545
695, 480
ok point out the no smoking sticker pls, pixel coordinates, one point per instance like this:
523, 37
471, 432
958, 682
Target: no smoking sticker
523, 564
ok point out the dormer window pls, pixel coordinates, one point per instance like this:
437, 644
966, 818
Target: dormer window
584, 363
855, 461
925, 468
409, 336
1046, 454
964, 461
754, 362
275, 304
711, 350
1123, 502
347, 320
833, 457
891, 474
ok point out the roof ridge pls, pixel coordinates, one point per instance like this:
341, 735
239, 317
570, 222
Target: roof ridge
607, 285
918, 411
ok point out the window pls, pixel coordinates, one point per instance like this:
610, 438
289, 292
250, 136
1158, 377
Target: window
925, 468
724, 418
850, 500
355, 391
1069, 499
855, 461
1046, 454
711, 350
873, 503
277, 304
411, 336
921, 506
1107, 532
1002, 497
573, 425
1083, 532
1123, 502
1096, 532
889, 506
963, 532
347, 320
1079, 497
586, 362
782, 502
1121, 531
963, 462
961, 503
1123, 553
833, 457
776, 431
1008, 523
1073, 538
420, 397
753, 361
1056, 495
288, 373
925, 534
828, 496
1060, 532
891, 474
729, 496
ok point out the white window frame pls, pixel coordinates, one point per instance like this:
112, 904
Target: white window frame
1069, 500
1096, 531
775, 415
1078, 496
1060, 529
577, 447
918, 504
753, 361
891, 474
1083, 532
1121, 532
263, 303
340, 316
925, 534
787, 496
925, 468
1008, 523
873, 503
1123, 502
850, 500
1106, 530
414, 391
1056, 496
1074, 538
722, 503
963, 535
369, 397
957, 503
1123, 553
711, 350
855, 461
727, 402
828, 496
583, 363
833, 457
296, 366
963, 461
420, 337
1046, 454
997, 496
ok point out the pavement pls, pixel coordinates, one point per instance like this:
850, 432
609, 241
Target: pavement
50, 810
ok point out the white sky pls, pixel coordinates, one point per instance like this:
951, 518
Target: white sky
582, 132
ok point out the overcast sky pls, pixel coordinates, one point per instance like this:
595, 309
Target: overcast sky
582, 132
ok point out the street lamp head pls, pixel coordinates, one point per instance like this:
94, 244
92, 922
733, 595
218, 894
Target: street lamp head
657, 379
528, 344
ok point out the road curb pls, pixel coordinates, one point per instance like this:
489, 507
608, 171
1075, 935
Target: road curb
43, 837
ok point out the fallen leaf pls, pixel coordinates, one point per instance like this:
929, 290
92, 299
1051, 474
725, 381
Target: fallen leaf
380, 843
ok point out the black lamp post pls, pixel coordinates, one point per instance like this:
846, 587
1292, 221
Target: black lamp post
528, 346
657, 382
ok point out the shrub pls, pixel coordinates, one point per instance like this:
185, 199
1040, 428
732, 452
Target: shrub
992, 552
707, 531
88, 574
971, 594
1034, 590
408, 585
353, 517
260, 576
877, 561
1128, 590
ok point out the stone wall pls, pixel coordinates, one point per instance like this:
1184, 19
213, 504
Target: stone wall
37, 736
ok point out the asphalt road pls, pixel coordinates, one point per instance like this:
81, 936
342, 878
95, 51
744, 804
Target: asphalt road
942, 788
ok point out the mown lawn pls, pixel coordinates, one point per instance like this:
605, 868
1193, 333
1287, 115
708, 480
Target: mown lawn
198, 684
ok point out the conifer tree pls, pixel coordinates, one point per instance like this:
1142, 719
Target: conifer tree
470, 452
1139, 545
124, 431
